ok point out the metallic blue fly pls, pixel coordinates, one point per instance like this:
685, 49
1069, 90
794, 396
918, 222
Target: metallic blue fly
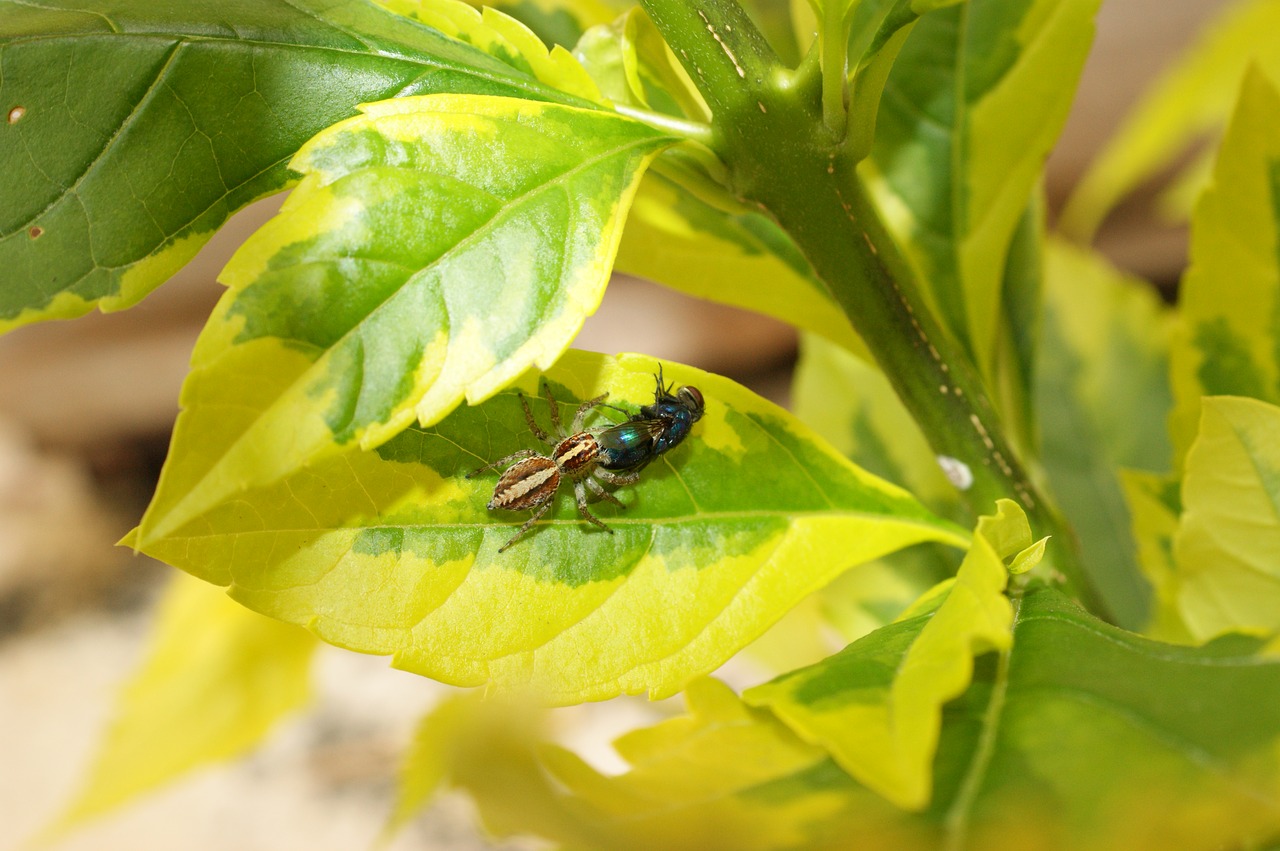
657, 429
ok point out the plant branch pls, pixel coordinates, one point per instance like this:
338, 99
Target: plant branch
720, 47
772, 135
852, 251
815, 194
930, 372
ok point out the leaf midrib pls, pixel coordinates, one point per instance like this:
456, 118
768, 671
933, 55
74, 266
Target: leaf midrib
718, 516
956, 821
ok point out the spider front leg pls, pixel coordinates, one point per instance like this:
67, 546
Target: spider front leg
581, 415
553, 408
533, 424
518, 455
580, 491
525, 528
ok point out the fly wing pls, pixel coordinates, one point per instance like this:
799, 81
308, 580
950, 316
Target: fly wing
631, 444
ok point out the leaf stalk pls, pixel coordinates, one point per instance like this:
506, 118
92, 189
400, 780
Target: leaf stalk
694, 131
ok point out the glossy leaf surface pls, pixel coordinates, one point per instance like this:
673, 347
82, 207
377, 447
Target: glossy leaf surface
1103, 402
744, 260
394, 552
875, 31
1088, 739
1227, 546
1154, 504
503, 38
876, 706
559, 22
438, 248
972, 106
1190, 101
633, 65
1228, 340
852, 404
217, 679
140, 127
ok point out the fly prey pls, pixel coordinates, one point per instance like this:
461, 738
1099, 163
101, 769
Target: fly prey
613, 454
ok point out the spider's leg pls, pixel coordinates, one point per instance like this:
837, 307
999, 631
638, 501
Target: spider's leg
519, 455
598, 489
525, 528
580, 492
585, 407
554, 407
533, 424
623, 411
629, 478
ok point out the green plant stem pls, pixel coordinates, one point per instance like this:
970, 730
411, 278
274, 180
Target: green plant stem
724, 54
827, 211
835, 47
771, 134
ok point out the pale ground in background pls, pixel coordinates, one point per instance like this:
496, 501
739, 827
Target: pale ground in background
93, 395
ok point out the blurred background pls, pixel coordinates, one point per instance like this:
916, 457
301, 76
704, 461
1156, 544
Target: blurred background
85, 412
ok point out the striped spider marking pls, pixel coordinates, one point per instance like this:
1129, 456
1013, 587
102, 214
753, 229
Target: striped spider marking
533, 481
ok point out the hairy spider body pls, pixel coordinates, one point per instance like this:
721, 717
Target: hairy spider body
533, 481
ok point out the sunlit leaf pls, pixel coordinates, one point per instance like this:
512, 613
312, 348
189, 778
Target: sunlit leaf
1085, 738
723, 776
852, 404
1228, 340
217, 679
877, 705
559, 22
394, 552
1017, 349
875, 31
438, 248
1154, 505
135, 129
446, 739
1227, 547
633, 65
504, 38
744, 260
974, 103
877, 594
1103, 401
1192, 99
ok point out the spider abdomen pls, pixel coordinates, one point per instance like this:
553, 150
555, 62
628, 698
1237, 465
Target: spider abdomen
526, 484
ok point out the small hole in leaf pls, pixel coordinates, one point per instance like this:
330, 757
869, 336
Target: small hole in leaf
35, 232
16, 114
